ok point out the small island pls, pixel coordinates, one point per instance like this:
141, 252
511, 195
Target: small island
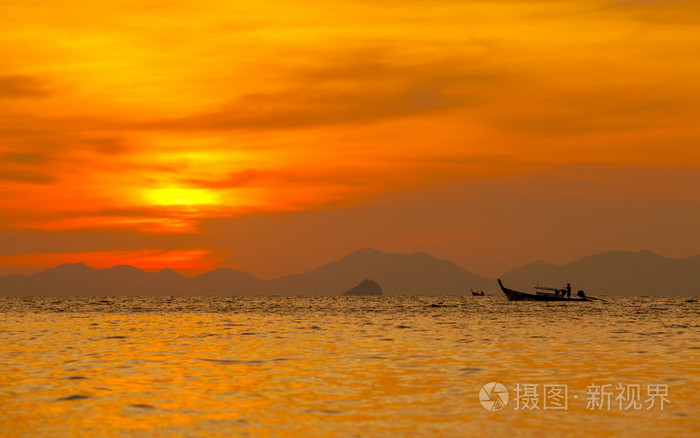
366, 287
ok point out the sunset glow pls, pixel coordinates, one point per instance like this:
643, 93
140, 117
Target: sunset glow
185, 261
181, 197
282, 134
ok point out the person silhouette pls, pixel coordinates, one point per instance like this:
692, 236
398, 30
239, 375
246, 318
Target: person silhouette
568, 290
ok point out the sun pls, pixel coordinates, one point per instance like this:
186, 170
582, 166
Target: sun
181, 197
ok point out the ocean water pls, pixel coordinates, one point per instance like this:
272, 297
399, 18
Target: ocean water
348, 366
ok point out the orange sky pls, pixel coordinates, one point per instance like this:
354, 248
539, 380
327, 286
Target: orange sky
275, 136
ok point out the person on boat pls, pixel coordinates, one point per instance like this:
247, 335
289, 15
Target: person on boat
568, 290
581, 294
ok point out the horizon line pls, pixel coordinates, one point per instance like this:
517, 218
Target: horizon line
155, 271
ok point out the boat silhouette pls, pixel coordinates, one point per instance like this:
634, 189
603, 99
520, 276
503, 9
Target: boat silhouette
543, 294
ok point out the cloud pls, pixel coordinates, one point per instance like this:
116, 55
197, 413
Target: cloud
147, 219
26, 176
233, 180
22, 86
24, 158
107, 145
281, 178
598, 112
359, 88
25, 167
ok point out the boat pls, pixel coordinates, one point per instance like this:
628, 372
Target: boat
478, 294
542, 294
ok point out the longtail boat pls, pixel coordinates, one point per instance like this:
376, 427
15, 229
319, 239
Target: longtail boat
478, 294
542, 294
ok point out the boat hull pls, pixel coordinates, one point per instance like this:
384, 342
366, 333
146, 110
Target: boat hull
514, 295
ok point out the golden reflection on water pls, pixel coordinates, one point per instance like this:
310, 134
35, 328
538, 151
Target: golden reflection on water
338, 366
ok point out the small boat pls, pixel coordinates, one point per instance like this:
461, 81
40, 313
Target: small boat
542, 294
478, 294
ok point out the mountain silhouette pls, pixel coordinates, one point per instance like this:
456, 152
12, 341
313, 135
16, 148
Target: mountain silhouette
79, 279
399, 274
610, 273
614, 273
366, 287
225, 281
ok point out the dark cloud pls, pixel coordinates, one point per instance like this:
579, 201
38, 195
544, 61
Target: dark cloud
313, 106
21, 86
245, 178
599, 111
267, 178
25, 167
360, 88
24, 158
107, 145
684, 13
25, 176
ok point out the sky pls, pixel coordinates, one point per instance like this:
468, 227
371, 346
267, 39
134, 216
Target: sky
272, 137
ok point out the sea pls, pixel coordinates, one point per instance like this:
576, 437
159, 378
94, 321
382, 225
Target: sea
387, 366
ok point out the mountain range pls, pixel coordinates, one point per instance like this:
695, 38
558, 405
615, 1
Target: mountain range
614, 273
611, 273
